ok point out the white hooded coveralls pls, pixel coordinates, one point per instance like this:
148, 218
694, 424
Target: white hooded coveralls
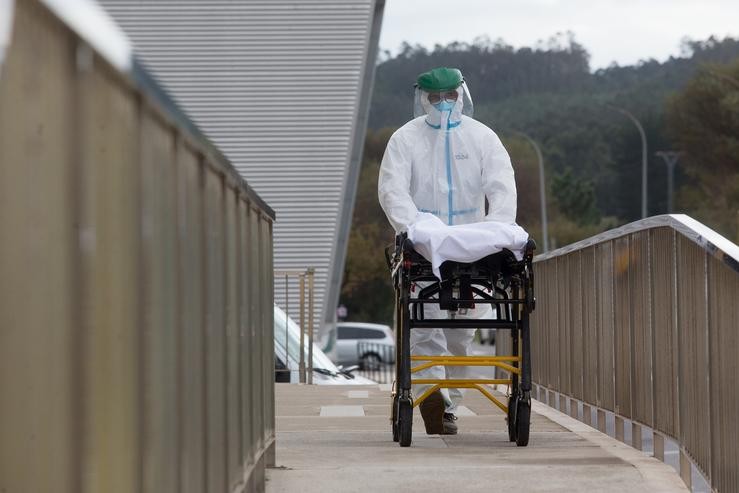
446, 164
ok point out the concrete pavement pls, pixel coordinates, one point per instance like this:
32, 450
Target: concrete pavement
338, 439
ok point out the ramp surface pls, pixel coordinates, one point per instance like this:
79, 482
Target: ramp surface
347, 452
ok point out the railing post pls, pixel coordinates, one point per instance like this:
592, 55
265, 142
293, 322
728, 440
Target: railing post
686, 469
573, 408
302, 328
619, 424
601, 421
659, 446
311, 272
287, 319
587, 414
636, 436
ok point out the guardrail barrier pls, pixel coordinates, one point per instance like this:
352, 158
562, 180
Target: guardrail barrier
643, 322
136, 285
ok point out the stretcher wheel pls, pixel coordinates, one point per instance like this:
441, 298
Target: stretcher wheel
405, 423
394, 420
523, 422
512, 404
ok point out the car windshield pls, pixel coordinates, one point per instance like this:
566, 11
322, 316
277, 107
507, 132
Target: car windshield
287, 331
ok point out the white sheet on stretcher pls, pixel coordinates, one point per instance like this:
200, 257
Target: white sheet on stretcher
438, 242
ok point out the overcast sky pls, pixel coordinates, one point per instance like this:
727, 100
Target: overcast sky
624, 31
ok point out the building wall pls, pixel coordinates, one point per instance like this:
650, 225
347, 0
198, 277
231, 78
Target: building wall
282, 88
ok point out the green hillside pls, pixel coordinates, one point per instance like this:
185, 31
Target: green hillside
592, 152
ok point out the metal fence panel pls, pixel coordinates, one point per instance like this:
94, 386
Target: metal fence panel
692, 313
576, 324
256, 340
124, 268
541, 328
590, 325
660, 330
562, 342
641, 327
664, 309
268, 268
233, 375
723, 286
191, 272
110, 232
160, 295
267, 349
605, 308
215, 331
245, 332
553, 326
622, 326
38, 322
538, 357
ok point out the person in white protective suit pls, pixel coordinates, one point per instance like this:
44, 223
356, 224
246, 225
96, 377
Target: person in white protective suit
445, 163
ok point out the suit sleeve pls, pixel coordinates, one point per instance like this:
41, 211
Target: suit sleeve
394, 184
498, 181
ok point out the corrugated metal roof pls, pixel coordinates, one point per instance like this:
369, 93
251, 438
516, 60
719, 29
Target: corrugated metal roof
277, 86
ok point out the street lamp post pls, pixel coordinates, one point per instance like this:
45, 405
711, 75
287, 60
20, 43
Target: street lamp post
643, 157
542, 188
670, 158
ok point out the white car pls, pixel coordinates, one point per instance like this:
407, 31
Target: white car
364, 344
287, 366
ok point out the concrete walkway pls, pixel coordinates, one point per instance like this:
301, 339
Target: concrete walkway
338, 439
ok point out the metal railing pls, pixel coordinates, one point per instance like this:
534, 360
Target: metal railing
643, 322
305, 294
136, 300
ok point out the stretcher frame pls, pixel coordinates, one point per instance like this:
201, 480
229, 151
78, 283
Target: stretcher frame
499, 280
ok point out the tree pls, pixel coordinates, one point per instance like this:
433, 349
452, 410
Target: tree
703, 120
549, 92
575, 198
592, 155
367, 290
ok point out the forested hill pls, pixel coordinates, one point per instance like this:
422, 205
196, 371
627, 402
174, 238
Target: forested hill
550, 93
592, 152
497, 72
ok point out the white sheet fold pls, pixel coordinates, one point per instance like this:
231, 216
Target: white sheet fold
438, 242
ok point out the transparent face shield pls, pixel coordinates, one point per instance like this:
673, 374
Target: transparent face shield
422, 105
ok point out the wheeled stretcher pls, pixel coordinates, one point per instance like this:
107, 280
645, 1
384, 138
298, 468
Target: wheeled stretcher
499, 280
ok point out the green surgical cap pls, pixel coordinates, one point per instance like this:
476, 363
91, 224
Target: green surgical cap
440, 79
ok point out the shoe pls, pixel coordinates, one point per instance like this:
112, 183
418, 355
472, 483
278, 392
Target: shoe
448, 422
432, 412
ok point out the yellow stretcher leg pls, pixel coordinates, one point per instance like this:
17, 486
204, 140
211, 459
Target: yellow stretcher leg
502, 362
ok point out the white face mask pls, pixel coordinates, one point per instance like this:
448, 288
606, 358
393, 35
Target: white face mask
444, 105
